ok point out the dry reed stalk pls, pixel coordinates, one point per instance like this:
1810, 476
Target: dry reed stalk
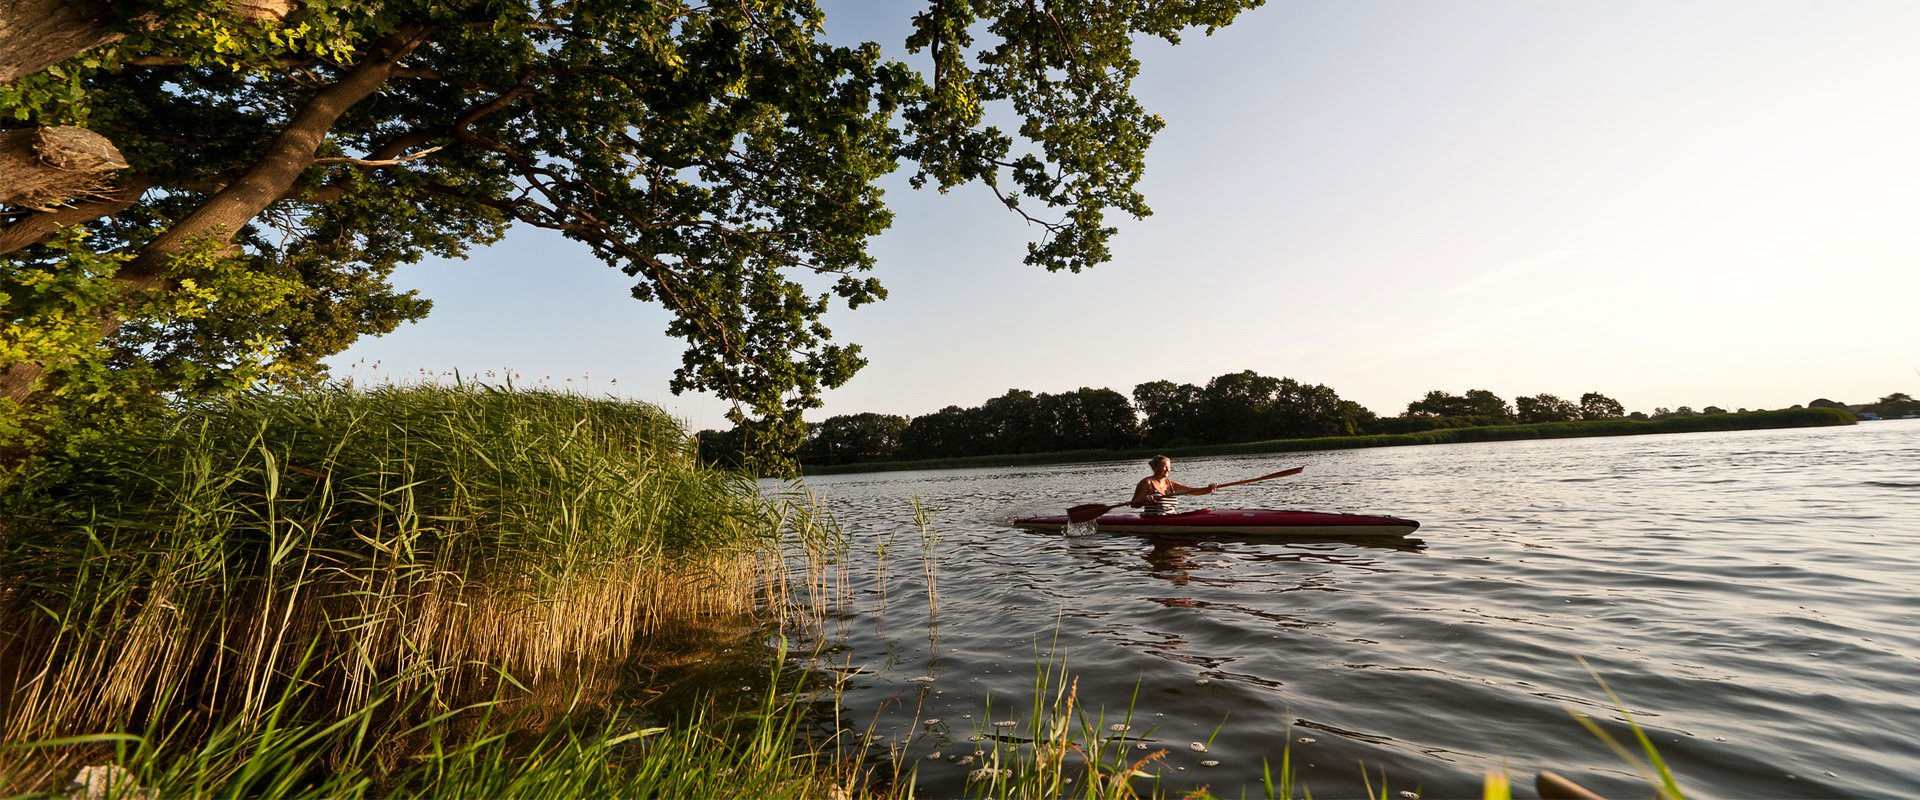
426, 635
333, 551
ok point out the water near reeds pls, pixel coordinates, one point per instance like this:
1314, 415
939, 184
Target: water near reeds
1749, 595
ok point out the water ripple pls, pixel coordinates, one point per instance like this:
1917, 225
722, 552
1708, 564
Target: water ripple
1748, 595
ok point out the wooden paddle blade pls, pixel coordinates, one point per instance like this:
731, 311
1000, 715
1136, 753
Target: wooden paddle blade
1089, 512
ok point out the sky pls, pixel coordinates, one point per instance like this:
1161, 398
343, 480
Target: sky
1670, 202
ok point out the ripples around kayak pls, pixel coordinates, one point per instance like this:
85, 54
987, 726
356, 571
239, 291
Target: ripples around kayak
1748, 596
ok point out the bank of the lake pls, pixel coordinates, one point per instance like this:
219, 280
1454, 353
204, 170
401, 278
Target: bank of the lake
421, 591
1747, 420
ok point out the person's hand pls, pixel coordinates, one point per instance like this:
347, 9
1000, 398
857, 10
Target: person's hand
1210, 488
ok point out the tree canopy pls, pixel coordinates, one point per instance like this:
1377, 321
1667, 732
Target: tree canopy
213, 193
1480, 406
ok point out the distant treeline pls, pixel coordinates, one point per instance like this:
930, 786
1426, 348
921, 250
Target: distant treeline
1241, 407
1795, 417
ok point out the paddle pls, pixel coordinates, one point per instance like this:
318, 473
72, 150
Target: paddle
1093, 511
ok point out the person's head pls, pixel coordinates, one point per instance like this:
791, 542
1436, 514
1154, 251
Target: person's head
1161, 465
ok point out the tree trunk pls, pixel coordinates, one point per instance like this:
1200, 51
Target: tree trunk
289, 154
270, 178
34, 228
43, 169
36, 34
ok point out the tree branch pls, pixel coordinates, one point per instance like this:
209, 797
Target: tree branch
280, 164
381, 162
34, 228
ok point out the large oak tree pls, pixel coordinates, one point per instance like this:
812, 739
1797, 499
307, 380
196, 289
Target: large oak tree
205, 194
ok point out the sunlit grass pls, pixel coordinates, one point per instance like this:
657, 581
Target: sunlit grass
481, 750
323, 553
1068, 750
1653, 769
1063, 749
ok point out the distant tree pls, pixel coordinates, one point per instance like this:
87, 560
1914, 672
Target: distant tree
1545, 408
1489, 405
1896, 405
1438, 404
853, 438
726, 449
1111, 420
1713, 410
1476, 407
950, 432
1357, 419
1594, 405
1015, 423
1091, 418
1170, 411
1302, 410
1825, 403
1238, 407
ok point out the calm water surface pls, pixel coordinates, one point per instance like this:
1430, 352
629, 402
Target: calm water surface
1748, 595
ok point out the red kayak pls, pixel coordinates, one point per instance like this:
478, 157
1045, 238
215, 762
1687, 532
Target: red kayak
1267, 522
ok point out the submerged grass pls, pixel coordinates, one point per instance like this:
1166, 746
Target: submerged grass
1069, 751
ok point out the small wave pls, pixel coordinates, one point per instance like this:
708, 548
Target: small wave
1321, 726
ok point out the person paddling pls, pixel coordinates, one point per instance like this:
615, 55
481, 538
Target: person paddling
1159, 493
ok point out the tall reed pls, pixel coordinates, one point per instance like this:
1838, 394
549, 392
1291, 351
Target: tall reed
427, 541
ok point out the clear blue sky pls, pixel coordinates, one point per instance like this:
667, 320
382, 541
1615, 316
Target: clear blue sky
1713, 202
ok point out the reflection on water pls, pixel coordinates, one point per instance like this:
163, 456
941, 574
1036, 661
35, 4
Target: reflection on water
1748, 594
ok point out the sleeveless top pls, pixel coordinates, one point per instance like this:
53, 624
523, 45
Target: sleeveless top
1158, 504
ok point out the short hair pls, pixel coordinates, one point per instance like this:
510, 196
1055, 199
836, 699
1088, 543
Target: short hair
1158, 460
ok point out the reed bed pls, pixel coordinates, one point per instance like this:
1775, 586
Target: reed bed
278, 561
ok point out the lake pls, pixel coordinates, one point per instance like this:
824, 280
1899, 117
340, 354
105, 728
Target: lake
1748, 595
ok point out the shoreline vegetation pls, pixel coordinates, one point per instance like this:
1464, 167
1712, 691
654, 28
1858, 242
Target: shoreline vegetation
1738, 421
428, 590
1232, 413
465, 591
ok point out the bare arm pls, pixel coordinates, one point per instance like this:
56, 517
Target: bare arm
1142, 492
1180, 488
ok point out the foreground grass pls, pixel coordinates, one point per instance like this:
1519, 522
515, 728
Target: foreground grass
1752, 420
382, 576
1065, 749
